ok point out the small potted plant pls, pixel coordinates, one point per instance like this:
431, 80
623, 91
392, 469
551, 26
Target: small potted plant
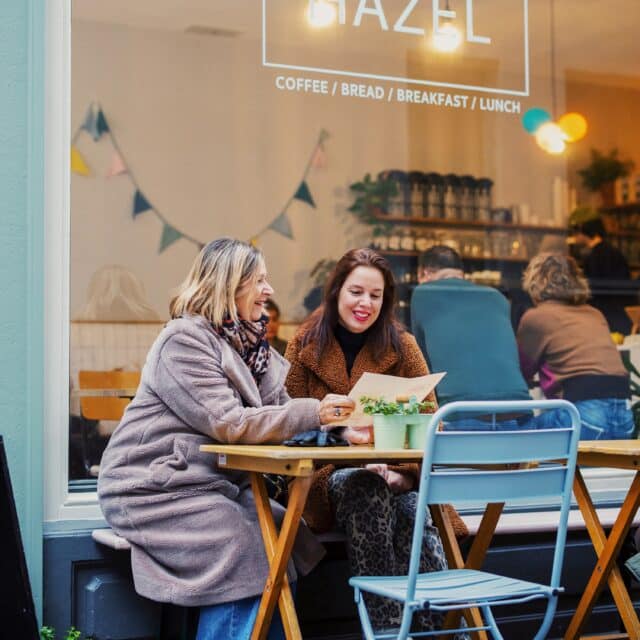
390, 419
603, 171
389, 422
417, 422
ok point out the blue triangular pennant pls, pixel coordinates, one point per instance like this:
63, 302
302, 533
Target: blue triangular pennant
282, 226
169, 236
304, 194
140, 204
101, 124
90, 124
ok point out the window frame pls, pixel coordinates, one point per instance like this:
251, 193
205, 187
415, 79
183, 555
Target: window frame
59, 503
607, 486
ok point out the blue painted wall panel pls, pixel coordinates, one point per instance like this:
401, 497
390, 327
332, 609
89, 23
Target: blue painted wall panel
21, 263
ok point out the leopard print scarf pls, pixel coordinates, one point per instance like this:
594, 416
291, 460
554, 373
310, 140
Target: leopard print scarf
248, 339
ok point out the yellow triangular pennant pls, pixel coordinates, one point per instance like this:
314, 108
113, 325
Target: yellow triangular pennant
78, 165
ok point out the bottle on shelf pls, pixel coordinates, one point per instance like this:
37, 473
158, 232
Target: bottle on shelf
451, 189
466, 199
434, 196
483, 199
416, 184
396, 203
407, 240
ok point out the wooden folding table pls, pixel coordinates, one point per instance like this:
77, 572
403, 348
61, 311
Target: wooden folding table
616, 454
299, 463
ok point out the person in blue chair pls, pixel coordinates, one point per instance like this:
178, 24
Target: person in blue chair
567, 342
465, 329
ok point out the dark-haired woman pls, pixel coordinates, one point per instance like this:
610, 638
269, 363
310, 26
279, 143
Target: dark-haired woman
352, 332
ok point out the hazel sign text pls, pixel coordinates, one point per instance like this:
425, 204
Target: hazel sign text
375, 9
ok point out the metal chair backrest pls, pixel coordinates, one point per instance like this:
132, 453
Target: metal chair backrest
497, 466
106, 394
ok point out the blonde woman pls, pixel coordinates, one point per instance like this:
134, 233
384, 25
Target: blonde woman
567, 342
210, 375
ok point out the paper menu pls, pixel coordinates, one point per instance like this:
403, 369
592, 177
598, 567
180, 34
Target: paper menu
376, 385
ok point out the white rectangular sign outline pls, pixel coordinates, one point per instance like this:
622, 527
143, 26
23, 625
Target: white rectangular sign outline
431, 83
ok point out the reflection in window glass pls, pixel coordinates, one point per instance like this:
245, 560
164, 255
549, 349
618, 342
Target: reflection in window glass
257, 120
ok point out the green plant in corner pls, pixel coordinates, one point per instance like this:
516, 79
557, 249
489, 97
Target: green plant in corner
371, 196
604, 169
48, 633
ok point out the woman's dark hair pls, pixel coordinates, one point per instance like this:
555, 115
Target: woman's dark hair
385, 332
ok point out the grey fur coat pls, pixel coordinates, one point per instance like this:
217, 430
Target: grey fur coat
194, 534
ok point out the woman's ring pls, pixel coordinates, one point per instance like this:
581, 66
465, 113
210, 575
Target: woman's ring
337, 412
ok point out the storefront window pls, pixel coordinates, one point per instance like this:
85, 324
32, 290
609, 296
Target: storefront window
262, 121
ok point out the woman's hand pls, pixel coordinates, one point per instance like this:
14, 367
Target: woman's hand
357, 435
398, 482
335, 408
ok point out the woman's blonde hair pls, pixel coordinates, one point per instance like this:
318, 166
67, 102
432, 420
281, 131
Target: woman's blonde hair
222, 268
555, 276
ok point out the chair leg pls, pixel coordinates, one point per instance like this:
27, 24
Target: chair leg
367, 629
491, 621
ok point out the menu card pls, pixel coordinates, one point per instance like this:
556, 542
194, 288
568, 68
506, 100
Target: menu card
378, 385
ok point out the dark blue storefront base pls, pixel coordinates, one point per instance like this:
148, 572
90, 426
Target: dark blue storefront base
90, 586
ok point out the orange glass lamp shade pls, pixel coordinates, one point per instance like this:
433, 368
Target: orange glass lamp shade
574, 126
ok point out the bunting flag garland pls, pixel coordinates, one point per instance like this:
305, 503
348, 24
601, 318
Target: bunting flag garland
169, 236
89, 124
101, 124
140, 204
319, 160
304, 194
282, 225
78, 165
96, 125
117, 166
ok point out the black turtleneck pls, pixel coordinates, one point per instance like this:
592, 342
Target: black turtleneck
350, 343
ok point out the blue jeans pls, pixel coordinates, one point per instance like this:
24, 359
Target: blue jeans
475, 424
234, 620
605, 419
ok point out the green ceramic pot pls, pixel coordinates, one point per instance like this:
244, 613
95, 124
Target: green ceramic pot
389, 432
417, 429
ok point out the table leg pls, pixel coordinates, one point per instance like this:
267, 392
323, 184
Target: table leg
475, 558
607, 550
278, 549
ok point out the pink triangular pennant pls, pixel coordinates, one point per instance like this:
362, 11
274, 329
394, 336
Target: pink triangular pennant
117, 166
319, 159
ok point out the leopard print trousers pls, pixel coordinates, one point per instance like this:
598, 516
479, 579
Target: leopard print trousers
379, 526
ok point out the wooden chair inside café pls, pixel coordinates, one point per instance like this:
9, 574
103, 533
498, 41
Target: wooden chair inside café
104, 395
634, 315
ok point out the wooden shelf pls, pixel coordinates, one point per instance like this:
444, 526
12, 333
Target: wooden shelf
468, 224
415, 254
629, 207
624, 233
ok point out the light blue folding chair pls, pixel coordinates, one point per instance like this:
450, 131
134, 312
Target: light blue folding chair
541, 465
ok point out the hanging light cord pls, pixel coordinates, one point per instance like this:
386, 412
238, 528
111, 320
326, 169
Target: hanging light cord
552, 31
